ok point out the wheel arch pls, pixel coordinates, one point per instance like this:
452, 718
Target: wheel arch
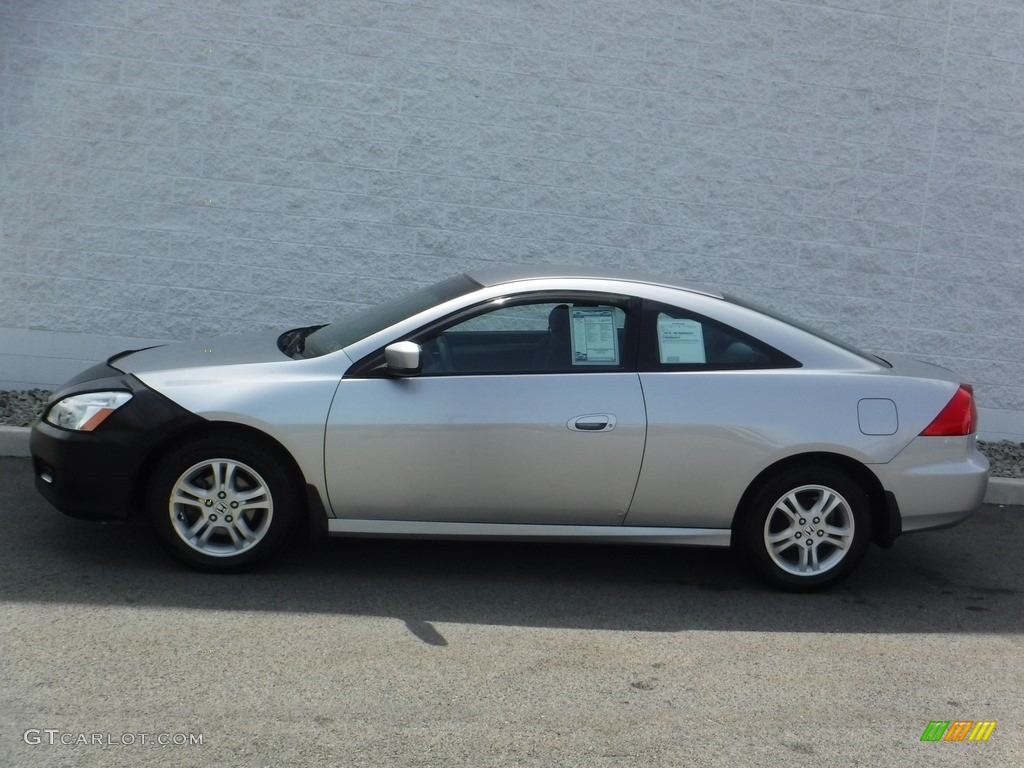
885, 518
217, 429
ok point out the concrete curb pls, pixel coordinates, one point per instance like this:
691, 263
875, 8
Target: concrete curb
1001, 490
1005, 491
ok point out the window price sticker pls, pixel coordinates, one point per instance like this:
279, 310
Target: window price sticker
680, 340
594, 339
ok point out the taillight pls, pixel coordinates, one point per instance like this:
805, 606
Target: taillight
959, 417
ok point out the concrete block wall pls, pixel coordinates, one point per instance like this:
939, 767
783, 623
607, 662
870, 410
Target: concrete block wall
174, 170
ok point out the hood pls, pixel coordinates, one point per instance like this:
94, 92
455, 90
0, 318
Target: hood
220, 350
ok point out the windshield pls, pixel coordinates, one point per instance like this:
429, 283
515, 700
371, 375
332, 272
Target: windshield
367, 322
808, 329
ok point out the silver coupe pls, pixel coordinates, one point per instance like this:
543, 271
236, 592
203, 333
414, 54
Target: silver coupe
543, 404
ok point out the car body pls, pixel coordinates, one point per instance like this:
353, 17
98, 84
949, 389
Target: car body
540, 404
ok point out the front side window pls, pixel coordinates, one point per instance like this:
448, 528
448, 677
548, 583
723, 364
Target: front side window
552, 334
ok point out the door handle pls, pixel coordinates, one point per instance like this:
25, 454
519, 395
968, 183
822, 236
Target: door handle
592, 422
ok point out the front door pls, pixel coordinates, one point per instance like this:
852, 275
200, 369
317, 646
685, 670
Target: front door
527, 412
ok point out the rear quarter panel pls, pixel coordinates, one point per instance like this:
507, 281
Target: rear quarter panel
711, 433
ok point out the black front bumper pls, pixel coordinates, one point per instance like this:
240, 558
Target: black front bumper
98, 474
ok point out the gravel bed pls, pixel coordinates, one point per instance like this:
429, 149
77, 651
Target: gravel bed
1005, 457
21, 408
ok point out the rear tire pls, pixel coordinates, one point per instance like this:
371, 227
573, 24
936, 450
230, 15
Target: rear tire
221, 504
807, 529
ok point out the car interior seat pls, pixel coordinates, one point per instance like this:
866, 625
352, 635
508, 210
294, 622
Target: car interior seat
554, 351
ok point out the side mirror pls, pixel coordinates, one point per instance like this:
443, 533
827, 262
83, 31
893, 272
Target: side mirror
403, 358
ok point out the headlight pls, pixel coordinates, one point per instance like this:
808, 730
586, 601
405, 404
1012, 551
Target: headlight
86, 412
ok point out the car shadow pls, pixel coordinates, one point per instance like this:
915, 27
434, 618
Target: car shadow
965, 579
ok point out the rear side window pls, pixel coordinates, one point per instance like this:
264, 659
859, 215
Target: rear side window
675, 339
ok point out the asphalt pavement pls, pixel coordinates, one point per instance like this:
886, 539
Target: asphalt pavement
377, 653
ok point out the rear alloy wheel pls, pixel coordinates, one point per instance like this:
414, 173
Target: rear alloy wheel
808, 528
220, 504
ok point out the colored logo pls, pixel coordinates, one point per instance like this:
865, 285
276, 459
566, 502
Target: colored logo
958, 730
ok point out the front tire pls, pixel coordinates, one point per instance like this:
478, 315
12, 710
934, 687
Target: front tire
807, 529
220, 504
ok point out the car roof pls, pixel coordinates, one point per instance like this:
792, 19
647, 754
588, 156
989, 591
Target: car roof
498, 275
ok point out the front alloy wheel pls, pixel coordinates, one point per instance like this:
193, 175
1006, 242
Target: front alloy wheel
221, 504
808, 528
221, 507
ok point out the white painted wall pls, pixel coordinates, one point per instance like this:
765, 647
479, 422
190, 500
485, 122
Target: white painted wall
168, 171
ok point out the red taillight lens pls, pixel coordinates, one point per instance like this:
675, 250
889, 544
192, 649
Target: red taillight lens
959, 417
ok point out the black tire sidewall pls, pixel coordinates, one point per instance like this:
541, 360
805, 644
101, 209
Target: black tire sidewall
282, 489
761, 504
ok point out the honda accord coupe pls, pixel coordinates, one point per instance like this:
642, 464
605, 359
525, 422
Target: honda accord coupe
541, 404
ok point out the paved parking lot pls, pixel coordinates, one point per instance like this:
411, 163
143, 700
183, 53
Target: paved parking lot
360, 653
